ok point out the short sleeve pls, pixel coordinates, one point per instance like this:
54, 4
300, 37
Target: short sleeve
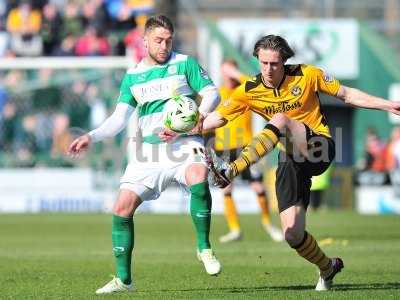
125, 94
324, 82
197, 77
236, 105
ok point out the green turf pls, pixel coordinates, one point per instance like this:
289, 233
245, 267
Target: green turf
68, 256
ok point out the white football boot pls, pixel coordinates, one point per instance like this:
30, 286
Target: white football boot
211, 263
115, 286
274, 232
325, 284
231, 236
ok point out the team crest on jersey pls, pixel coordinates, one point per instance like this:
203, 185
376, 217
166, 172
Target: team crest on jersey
172, 69
328, 78
296, 90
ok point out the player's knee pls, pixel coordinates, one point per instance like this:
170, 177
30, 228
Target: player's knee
121, 210
196, 173
126, 204
293, 236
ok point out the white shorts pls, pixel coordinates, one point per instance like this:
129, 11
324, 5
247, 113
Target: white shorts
156, 166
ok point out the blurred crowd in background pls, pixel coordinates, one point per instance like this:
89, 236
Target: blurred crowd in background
37, 125
73, 28
381, 161
39, 107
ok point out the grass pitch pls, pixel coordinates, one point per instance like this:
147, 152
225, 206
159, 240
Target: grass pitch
62, 256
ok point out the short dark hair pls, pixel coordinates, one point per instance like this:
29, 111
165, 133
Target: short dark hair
275, 43
158, 21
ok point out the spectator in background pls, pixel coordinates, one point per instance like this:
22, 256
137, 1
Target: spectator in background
4, 35
17, 135
121, 15
8, 123
24, 23
51, 27
229, 141
60, 4
95, 14
98, 109
72, 21
61, 136
38, 4
133, 41
46, 101
140, 7
11, 125
92, 43
373, 167
3, 115
10, 4
3, 97
75, 106
374, 152
67, 46
392, 158
3, 13
26, 143
4, 43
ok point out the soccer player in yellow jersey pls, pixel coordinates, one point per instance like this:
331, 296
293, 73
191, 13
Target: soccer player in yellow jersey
229, 141
287, 96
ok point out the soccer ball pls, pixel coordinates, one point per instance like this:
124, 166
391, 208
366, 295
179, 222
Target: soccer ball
181, 114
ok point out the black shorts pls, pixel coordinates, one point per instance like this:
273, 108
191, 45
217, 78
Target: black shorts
293, 176
251, 174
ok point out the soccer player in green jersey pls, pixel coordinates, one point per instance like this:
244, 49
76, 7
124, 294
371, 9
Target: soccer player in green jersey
146, 88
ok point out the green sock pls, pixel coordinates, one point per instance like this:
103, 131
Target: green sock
122, 242
200, 210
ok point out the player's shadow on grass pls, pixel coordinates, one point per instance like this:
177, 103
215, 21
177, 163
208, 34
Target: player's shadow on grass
338, 287
343, 287
369, 286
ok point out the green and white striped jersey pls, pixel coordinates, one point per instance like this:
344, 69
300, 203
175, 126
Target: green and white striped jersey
148, 88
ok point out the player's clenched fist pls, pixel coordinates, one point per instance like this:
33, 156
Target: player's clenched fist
80, 144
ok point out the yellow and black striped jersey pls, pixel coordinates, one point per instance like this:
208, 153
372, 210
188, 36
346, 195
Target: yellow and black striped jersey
297, 96
235, 134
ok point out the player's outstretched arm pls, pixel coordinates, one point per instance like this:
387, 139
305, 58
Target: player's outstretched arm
79, 145
359, 98
110, 127
214, 120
